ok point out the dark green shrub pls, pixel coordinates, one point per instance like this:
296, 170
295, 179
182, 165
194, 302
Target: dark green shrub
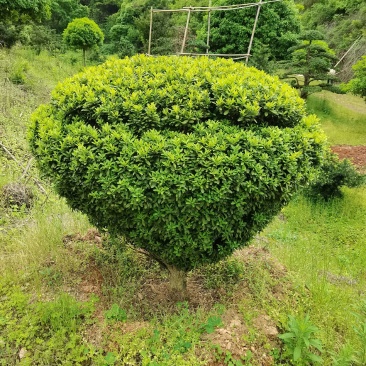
187, 158
9, 34
333, 175
334, 89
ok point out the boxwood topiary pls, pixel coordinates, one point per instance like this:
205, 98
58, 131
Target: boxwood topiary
187, 158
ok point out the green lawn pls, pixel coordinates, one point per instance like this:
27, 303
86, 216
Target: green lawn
343, 117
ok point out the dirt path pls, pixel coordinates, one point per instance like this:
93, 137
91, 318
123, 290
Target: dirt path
357, 154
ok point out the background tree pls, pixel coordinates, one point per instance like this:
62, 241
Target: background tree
277, 27
101, 10
39, 37
358, 84
186, 158
130, 32
311, 61
83, 33
8, 34
15, 13
64, 11
23, 11
342, 23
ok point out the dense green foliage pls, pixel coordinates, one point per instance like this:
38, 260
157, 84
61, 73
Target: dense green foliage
65, 11
129, 33
341, 21
230, 31
24, 10
358, 84
15, 13
311, 61
83, 33
187, 164
277, 27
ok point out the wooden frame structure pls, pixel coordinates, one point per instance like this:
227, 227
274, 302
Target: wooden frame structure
209, 9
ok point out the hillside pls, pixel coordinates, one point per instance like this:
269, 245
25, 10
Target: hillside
343, 23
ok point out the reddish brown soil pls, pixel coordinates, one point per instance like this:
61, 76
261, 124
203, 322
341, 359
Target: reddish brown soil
357, 154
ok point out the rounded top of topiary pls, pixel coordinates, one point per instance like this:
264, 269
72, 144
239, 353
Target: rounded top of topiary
187, 158
175, 93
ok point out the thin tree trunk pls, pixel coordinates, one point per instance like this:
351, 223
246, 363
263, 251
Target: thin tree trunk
84, 57
178, 282
304, 91
177, 277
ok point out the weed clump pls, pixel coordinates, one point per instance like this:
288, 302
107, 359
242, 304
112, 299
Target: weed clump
301, 345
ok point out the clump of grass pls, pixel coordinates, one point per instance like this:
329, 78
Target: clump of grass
42, 332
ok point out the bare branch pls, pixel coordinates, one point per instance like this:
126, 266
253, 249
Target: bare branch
150, 255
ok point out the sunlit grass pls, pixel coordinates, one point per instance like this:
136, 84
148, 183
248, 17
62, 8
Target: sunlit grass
342, 116
323, 246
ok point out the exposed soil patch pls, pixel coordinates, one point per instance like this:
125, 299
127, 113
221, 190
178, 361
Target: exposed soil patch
92, 236
236, 336
357, 154
233, 336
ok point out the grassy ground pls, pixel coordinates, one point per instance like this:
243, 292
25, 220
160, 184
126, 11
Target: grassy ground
343, 117
72, 296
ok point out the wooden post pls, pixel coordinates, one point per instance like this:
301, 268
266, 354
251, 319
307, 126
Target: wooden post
150, 32
208, 27
186, 31
209, 9
253, 31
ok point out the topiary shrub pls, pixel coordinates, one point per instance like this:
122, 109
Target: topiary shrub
187, 158
333, 175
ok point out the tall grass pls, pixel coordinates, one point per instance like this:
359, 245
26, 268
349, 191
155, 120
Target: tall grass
28, 238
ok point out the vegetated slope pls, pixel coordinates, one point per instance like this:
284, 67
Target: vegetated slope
342, 117
343, 22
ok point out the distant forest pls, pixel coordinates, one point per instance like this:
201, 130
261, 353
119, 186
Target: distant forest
125, 24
